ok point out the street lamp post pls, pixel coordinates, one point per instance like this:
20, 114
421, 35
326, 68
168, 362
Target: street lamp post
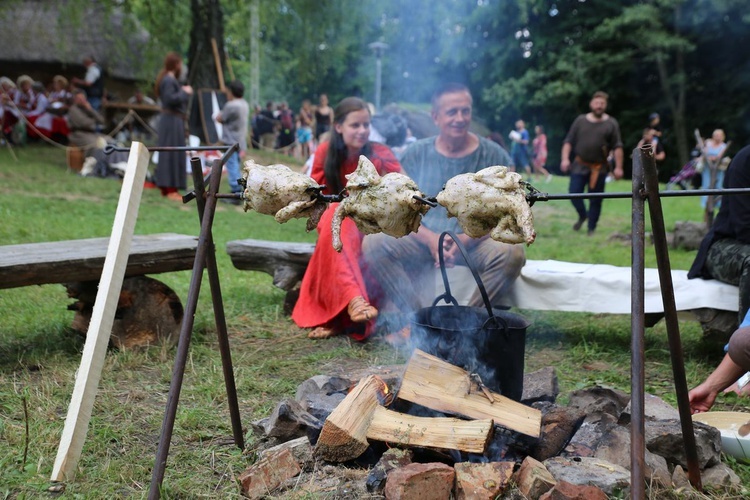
378, 48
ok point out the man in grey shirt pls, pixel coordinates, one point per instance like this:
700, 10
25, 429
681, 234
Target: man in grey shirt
398, 264
234, 117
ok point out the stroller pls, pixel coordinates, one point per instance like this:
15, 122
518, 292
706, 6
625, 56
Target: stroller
688, 175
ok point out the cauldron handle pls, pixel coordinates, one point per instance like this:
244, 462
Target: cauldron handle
470, 265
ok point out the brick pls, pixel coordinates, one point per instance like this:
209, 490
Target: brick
268, 473
431, 481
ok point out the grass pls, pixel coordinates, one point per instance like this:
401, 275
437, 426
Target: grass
40, 201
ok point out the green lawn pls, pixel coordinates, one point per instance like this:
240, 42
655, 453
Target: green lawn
41, 201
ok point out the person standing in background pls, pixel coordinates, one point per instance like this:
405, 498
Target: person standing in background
539, 150
323, 117
304, 129
592, 137
171, 172
92, 83
519, 150
234, 117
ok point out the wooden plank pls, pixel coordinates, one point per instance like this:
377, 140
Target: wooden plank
95, 349
431, 382
439, 432
285, 261
217, 61
83, 260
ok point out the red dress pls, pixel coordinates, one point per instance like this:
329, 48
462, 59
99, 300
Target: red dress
333, 279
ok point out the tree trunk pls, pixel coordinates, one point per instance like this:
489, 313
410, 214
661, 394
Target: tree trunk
207, 24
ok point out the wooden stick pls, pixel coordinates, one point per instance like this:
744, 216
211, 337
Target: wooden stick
95, 349
229, 64
431, 382
439, 432
217, 61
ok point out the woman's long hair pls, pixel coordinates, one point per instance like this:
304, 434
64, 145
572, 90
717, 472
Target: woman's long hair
172, 62
337, 151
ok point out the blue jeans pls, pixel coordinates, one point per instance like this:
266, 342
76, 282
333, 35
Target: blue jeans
233, 170
579, 182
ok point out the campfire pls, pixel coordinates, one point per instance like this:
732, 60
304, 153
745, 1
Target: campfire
433, 428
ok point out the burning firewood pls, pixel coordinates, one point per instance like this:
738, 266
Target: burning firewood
279, 191
378, 204
429, 381
491, 201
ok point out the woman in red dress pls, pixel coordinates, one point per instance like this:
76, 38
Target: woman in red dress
333, 297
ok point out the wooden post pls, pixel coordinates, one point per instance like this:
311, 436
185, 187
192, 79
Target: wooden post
217, 61
97, 339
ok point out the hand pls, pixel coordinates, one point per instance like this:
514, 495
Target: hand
618, 173
564, 164
243, 154
188, 89
701, 398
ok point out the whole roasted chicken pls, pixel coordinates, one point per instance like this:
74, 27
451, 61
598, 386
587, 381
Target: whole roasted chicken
492, 201
379, 204
279, 191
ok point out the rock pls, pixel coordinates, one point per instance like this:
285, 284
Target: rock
432, 481
599, 399
390, 374
720, 477
564, 490
611, 478
680, 478
558, 425
664, 438
688, 234
716, 323
540, 385
300, 448
533, 478
611, 448
654, 408
587, 437
321, 394
268, 473
393, 458
290, 421
482, 481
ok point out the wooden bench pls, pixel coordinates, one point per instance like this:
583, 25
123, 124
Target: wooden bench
148, 310
543, 285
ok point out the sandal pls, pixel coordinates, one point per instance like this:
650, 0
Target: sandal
320, 333
360, 311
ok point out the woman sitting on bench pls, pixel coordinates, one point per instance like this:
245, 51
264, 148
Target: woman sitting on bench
333, 299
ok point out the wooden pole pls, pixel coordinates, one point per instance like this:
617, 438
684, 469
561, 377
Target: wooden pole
229, 64
217, 61
102, 318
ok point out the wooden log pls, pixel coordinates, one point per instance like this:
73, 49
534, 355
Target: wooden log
429, 381
148, 312
344, 434
285, 261
83, 260
439, 432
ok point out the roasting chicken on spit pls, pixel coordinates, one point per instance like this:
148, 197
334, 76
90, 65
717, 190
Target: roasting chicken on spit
279, 191
492, 201
379, 204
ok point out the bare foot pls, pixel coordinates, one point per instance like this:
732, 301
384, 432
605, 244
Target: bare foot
321, 332
399, 338
360, 311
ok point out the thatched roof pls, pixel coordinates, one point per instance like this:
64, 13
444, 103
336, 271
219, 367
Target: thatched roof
38, 31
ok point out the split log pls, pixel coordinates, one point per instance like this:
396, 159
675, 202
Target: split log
439, 432
431, 382
344, 434
285, 261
